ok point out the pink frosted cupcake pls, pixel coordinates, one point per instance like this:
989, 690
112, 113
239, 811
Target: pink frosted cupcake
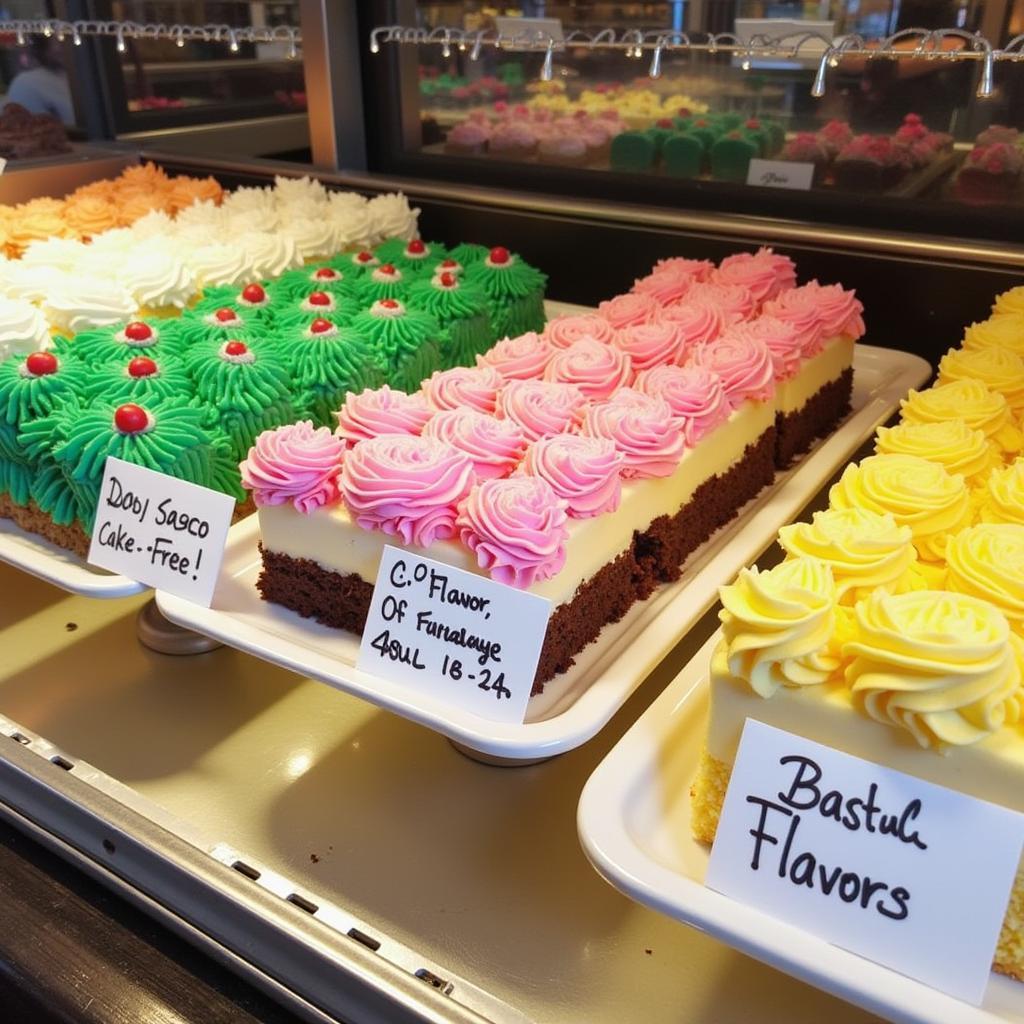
513, 140
467, 139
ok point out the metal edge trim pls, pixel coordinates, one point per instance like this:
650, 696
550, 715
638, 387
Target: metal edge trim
812, 235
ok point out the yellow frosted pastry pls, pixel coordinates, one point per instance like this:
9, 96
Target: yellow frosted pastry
1003, 331
777, 625
940, 665
951, 443
971, 401
1001, 499
918, 493
987, 561
1011, 301
999, 369
864, 550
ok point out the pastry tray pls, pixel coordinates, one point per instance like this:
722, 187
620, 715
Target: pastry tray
634, 824
577, 704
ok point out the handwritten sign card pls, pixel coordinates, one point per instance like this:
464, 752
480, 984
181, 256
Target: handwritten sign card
161, 531
467, 639
780, 174
900, 871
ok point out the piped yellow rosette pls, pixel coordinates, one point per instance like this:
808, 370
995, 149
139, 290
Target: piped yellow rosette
1002, 331
944, 666
987, 561
972, 402
917, 493
777, 626
1011, 301
955, 446
1001, 499
999, 369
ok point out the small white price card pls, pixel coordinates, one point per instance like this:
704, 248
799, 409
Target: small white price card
903, 872
467, 639
161, 531
780, 174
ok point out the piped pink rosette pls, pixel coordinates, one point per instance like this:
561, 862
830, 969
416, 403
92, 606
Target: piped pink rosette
378, 411
697, 322
694, 394
649, 345
643, 430
783, 341
297, 463
698, 270
407, 486
800, 308
744, 365
495, 446
563, 331
583, 471
542, 408
763, 273
473, 387
664, 286
735, 302
841, 312
517, 529
597, 370
520, 358
629, 309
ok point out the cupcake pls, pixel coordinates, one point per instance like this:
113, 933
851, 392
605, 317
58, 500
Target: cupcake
514, 289
403, 340
463, 314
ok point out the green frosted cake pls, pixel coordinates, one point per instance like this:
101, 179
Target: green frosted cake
155, 338
405, 341
415, 256
514, 289
462, 313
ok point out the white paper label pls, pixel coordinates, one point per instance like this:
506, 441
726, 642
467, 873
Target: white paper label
3, 165
780, 174
161, 531
468, 640
900, 871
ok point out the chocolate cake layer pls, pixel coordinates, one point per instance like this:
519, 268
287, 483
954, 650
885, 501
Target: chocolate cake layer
655, 556
817, 417
32, 518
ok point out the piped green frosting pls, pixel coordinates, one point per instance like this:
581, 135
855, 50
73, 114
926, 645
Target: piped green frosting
23, 396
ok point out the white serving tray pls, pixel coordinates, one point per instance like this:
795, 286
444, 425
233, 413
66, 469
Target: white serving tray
575, 705
634, 824
31, 553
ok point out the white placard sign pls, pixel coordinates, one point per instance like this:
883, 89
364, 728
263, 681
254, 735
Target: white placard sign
3, 165
469, 640
903, 872
780, 174
161, 531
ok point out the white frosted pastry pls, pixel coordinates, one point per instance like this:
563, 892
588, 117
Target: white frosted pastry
18, 281
314, 239
392, 217
157, 278
23, 328
54, 253
269, 254
219, 263
79, 303
290, 190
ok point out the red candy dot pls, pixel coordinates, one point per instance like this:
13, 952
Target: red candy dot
320, 326
387, 268
235, 348
416, 247
225, 315
664, 122
141, 366
447, 279
254, 293
389, 303
451, 264
500, 255
138, 331
365, 257
131, 419
325, 274
41, 364
319, 299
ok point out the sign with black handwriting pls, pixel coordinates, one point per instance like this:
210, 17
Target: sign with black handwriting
468, 640
780, 174
908, 874
161, 531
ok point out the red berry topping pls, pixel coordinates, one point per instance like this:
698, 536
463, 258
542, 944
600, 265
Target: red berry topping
500, 255
235, 348
386, 268
447, 279
131, 419
41, 364
665, 122
320, 326
319, 299
416, 247
254, 293
450, 264
389, 303
138, 331
364, 257
225, 316
142, 366
326, 274
753, 124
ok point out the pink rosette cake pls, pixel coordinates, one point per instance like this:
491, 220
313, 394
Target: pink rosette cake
744, 365
542, 408
694, 394
583, 471
298, 463
516, 528
495, 446
736, 302
381, 410
697, 322
643, 430
406, 486
650, 345
629, 309
597, 370
563, 331
763, 273
463, 386
783, 341
699, 270
840, 311
665, 286
521, 358
801, 309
